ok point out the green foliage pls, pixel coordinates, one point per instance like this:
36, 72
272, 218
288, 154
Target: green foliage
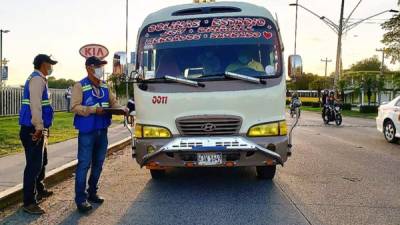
346, 106
61, 130
369, 64
391, 39
319, 83
309, 81
368, 109
315, 104
396, 80
119, 86
60, 83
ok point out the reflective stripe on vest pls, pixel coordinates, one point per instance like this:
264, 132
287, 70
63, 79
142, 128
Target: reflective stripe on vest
27, 102
93, 122
87, 88
25, 114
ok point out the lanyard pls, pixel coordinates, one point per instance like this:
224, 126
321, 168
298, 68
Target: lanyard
101, 92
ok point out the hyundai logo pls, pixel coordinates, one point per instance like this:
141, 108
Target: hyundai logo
208, 127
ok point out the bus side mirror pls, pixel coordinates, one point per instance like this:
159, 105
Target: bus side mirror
295, 66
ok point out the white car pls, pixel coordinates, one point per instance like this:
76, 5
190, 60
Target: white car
388, 120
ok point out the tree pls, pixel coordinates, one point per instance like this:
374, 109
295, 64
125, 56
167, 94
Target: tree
369, 64
368, 86
392, 37
319, 83
303, 82
119, 86
60, 83
342, 86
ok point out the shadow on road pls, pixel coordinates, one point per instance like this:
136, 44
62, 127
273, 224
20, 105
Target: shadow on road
211, 196
19, 217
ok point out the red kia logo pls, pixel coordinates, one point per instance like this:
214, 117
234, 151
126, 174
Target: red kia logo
94, 50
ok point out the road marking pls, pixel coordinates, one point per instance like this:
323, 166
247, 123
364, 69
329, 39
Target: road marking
291, 201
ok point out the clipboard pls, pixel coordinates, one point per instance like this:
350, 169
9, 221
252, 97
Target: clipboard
115, 111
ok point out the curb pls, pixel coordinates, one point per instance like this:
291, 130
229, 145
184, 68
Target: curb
55, 176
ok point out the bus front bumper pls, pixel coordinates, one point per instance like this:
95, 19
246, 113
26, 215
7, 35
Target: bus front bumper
235, 151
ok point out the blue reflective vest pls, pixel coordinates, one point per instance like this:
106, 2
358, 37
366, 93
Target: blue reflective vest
86, 124
25, 114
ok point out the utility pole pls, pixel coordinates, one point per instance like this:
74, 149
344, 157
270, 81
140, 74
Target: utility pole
326, 61
382, 65
339, 47
126, 53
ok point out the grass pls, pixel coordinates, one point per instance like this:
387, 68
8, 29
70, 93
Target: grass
62, 130
344, 112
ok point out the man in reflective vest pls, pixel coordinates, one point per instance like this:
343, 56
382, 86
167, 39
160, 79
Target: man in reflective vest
89, 98
36, 114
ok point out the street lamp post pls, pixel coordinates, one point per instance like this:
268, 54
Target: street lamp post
341, 29
295, 27
339, 47
126, 52
1, 55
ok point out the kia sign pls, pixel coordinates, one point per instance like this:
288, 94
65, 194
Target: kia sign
94, 50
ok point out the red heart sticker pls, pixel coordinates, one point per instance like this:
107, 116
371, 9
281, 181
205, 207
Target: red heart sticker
267, 35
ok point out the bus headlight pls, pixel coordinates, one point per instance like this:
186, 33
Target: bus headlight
268, 129
149, 131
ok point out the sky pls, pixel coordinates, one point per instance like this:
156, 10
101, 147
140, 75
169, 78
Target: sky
60, 28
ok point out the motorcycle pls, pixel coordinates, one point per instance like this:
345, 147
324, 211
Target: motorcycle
295, 106
333, 113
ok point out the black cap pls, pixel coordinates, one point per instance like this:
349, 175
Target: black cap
94, 61
41, 58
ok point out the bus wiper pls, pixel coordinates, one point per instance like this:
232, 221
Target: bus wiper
184, 81
245, 78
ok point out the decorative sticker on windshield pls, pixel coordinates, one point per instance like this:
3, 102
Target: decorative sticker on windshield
207, 29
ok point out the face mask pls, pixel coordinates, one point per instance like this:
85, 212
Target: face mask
50, 71
99, 72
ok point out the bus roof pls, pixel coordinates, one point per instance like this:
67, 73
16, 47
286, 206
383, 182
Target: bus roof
225, 9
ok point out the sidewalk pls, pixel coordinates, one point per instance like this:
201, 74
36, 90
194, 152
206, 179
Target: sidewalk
12, 167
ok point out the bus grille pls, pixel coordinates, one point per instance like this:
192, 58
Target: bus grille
208, 125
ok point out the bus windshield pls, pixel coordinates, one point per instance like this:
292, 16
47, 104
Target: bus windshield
209, 48
206, 62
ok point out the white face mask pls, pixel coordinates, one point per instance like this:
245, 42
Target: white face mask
50, 71
99, 73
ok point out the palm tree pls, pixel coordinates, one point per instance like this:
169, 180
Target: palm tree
368, 85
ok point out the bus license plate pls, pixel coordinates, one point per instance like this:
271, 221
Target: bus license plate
209, 159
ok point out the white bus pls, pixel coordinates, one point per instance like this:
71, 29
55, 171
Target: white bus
210, 89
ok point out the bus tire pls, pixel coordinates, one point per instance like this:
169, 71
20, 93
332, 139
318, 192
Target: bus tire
157, 174
266, 172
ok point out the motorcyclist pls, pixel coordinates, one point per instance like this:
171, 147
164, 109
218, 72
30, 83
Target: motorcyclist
325, 96
330, 102
331, 99
295, 99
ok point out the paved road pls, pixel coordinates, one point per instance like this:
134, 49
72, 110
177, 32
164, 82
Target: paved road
337, 175
12, 167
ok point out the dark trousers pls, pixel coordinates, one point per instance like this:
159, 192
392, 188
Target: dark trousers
36, 161
92, 149
69, 104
